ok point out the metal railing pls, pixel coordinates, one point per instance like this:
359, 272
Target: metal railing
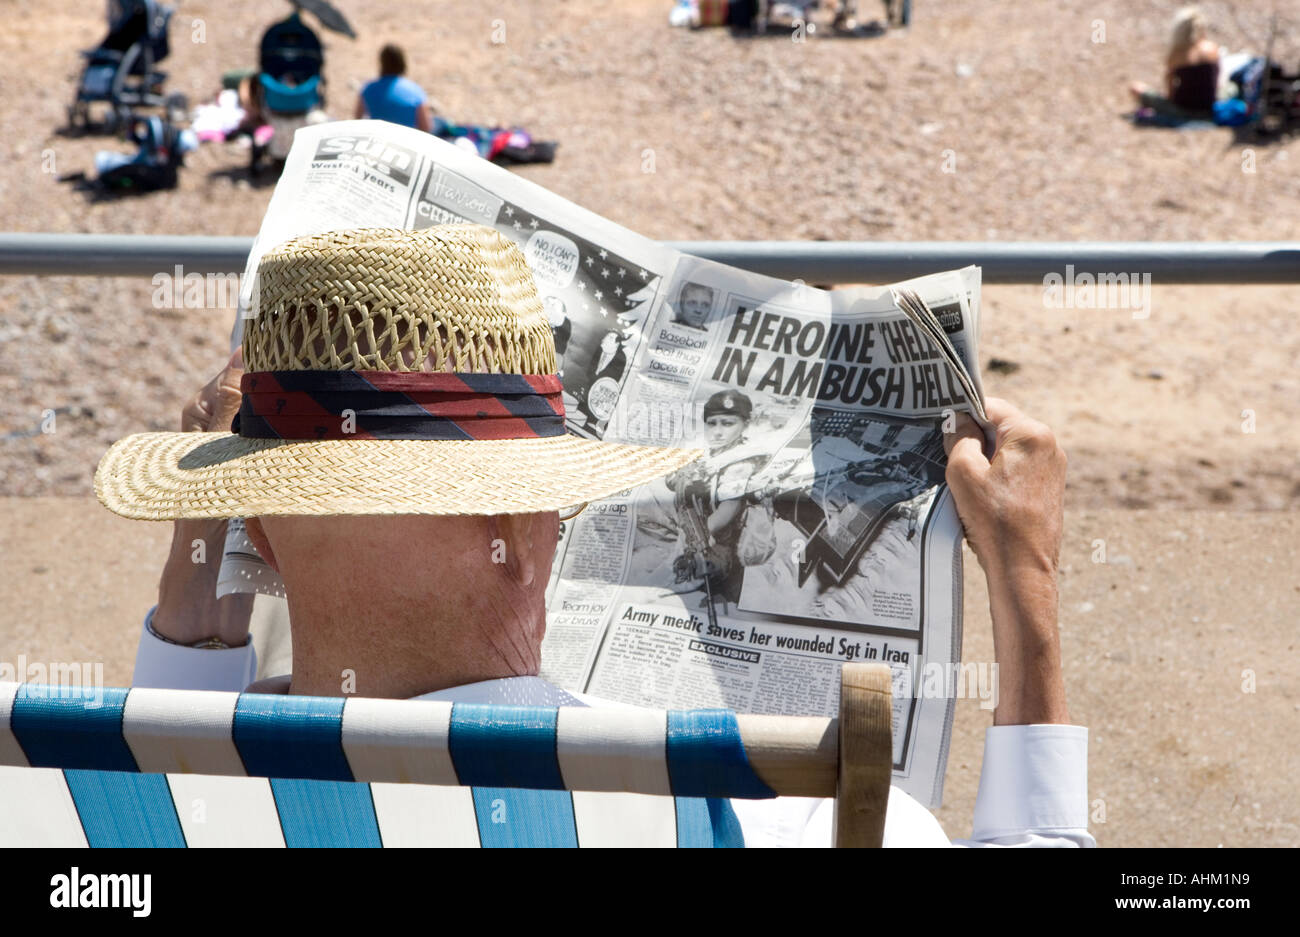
816, 262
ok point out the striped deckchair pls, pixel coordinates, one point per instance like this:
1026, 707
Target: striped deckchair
149, 767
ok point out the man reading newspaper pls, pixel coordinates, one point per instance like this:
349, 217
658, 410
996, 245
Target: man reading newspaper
399, 449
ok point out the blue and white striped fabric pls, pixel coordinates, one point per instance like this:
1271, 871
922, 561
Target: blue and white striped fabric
148, 767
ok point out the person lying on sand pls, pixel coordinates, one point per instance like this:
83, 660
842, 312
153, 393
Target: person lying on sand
1191, 71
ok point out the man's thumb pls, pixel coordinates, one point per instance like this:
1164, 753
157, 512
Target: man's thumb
229, 395
965, 448
963, 428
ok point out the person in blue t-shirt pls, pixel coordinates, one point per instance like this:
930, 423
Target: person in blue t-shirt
394, 97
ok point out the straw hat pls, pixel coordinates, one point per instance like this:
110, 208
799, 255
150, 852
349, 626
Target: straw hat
387, 372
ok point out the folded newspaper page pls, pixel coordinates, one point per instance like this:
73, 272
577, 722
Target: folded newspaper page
816, 530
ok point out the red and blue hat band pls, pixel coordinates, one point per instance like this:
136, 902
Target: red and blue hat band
398, 405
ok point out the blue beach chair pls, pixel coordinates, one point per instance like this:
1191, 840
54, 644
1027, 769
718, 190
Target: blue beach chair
148, 767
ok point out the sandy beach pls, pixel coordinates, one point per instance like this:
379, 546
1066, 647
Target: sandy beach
1179, 427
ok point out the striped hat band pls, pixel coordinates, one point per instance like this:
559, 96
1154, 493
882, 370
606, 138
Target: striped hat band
398, 405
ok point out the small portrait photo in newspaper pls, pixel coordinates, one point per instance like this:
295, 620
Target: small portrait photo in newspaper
693, 306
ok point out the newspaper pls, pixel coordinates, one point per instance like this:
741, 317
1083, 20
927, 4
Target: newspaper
816, 530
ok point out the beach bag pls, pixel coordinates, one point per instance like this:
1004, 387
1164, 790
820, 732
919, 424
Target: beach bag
1231, 113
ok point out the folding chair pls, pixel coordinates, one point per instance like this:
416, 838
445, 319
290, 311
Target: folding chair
120, 767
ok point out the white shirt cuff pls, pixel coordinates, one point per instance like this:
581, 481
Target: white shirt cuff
1034, 780
161, 664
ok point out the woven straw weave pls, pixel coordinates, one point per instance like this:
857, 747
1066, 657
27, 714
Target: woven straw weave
451, 298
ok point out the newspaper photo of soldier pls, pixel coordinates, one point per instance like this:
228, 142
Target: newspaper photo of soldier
709, 497
704, 526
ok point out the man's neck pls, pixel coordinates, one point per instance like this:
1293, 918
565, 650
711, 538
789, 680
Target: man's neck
377, 677
395, 653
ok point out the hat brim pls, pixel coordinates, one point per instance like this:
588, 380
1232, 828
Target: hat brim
173, 476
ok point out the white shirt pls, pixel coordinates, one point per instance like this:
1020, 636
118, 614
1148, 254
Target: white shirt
1033, 785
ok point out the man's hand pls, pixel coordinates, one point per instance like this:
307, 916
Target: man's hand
1011, 507
213, 408
188, 610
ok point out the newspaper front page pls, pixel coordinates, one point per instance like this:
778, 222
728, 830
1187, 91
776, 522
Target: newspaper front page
817, 528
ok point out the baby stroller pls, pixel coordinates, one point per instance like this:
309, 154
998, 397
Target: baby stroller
1279, 102
289, 89
1272, 93
121, 72
1266, 99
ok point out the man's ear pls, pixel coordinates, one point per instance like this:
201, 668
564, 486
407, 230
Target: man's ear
253, 527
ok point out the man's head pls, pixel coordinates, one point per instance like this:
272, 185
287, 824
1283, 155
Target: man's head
694, 303
392, 60
398, 598
400, 452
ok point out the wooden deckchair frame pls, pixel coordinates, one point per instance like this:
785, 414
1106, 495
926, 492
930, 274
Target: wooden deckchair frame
848, 757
